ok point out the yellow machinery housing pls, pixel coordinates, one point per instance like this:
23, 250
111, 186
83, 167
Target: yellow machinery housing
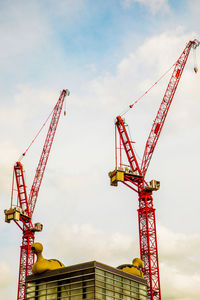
13, 214
118, 175
16, 214
154, 185
115, 176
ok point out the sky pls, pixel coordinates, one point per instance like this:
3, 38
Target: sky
107, 53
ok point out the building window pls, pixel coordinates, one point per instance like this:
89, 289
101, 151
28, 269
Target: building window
93, 283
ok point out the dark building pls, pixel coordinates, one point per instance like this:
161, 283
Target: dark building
90, 280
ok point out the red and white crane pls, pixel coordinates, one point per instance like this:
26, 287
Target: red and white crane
21, 212
133, 176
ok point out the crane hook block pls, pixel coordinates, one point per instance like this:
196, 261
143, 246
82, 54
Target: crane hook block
195, 69
67, 92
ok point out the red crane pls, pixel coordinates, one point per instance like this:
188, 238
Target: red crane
22, 212
133, 176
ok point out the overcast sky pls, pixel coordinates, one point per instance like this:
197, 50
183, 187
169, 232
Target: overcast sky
107, 53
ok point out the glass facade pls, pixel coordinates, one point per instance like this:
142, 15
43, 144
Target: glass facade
91, 280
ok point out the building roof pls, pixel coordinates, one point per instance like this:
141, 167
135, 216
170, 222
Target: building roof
63, 272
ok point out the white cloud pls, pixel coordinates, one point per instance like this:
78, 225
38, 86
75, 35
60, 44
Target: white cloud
179, 264
178, 284
25, 26
180, 246
28, 105
142, 68
22, 29
7, 282
9, 152
88, 243
194, 6
154, 6
78, 180
66, 7
6, 276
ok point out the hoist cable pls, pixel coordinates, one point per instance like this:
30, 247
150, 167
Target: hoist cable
136, 101
36, 135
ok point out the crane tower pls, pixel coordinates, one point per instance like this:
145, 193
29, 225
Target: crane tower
134, 174
21, 212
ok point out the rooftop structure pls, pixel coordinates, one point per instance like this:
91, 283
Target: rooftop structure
90, 280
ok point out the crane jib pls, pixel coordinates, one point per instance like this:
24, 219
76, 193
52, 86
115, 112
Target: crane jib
165, 104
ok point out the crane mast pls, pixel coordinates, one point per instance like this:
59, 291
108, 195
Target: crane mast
23, 211
133, 176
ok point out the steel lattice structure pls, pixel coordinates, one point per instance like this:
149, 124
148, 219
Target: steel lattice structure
133, 176
22, 212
